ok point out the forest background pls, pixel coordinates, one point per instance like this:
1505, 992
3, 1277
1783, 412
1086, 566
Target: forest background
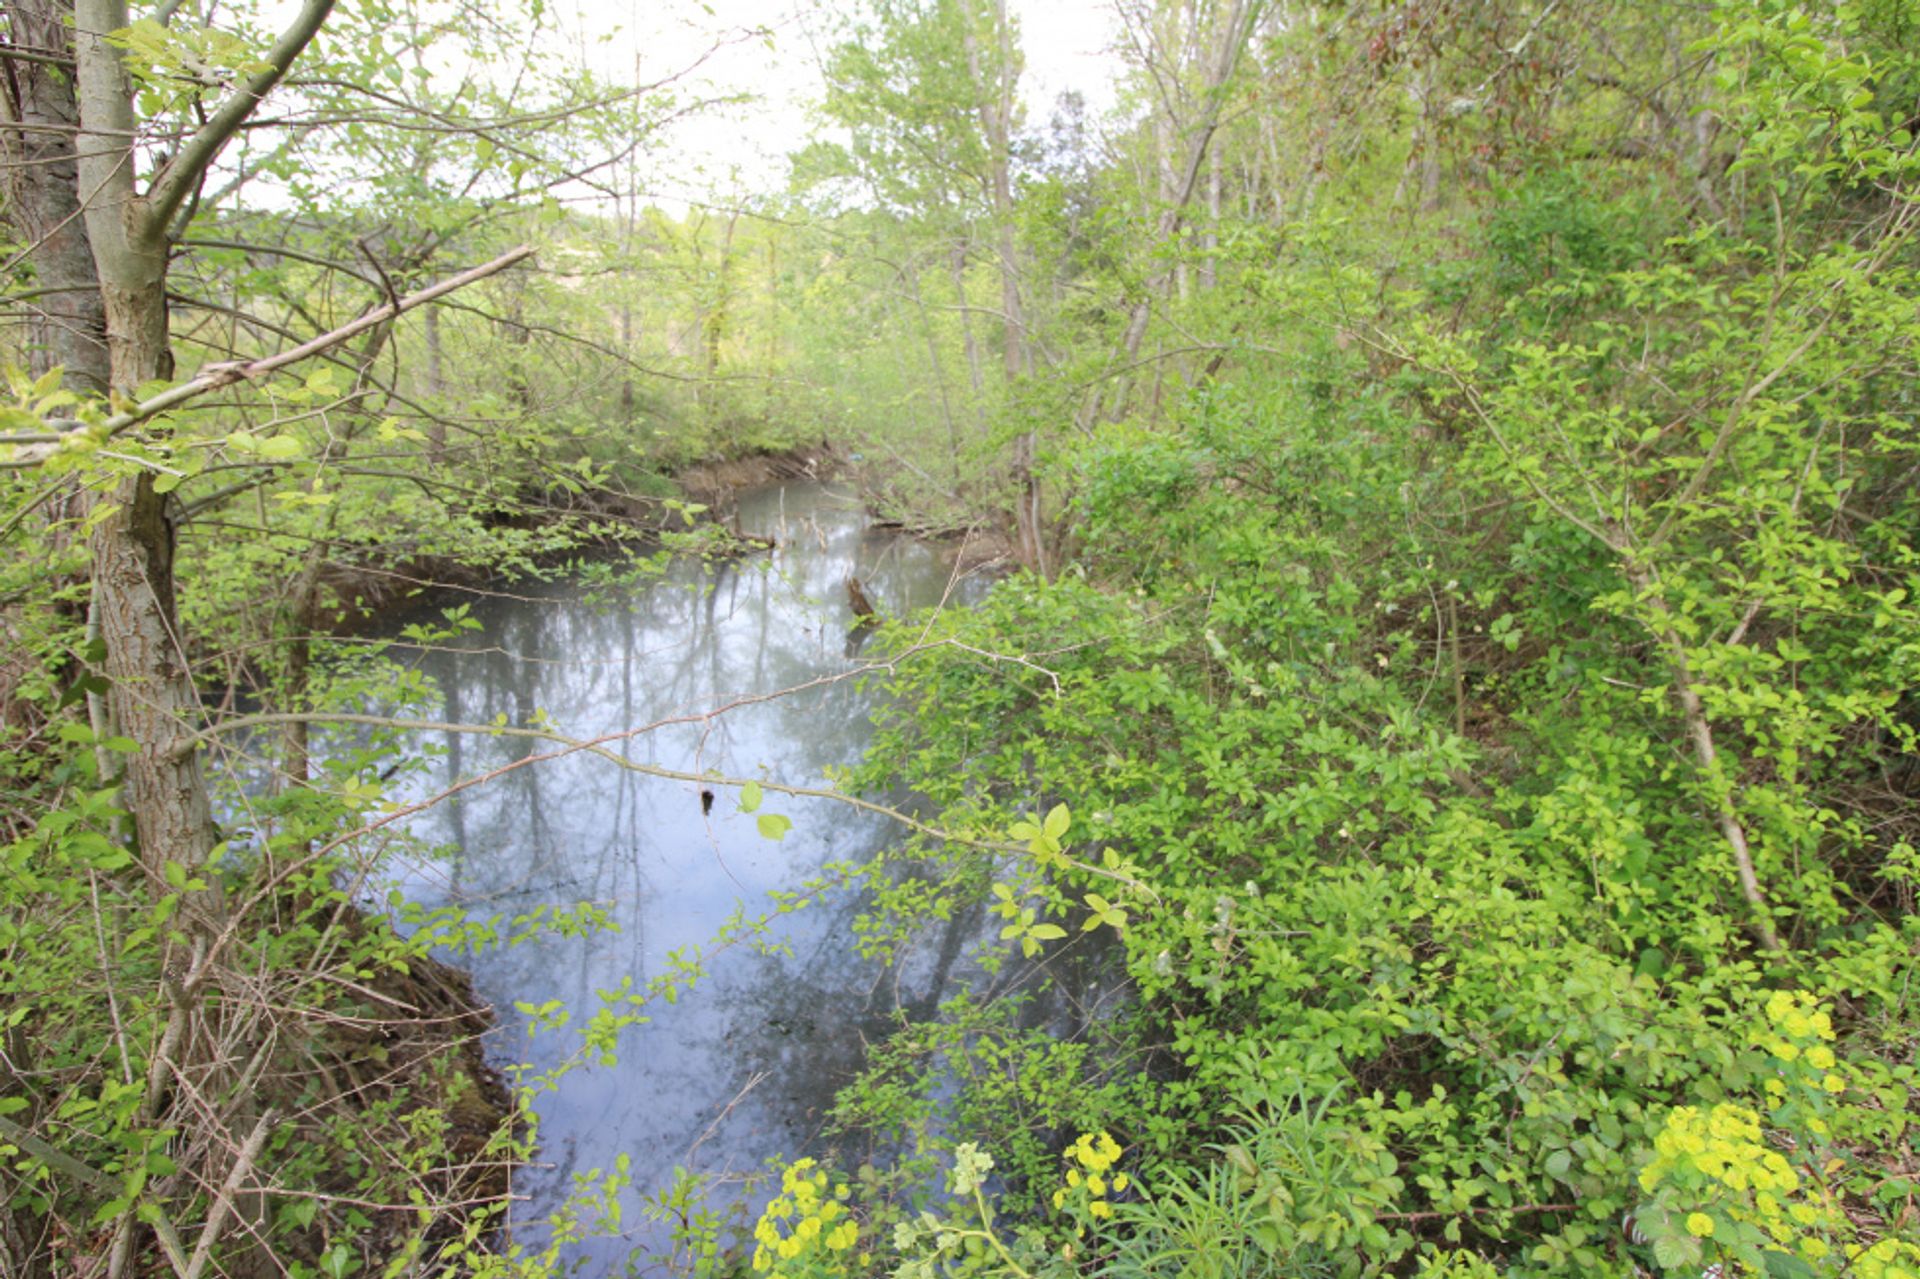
1460, 461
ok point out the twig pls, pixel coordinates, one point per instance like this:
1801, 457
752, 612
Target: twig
223, 1201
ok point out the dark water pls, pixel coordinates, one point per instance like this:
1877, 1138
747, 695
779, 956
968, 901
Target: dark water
744, 1066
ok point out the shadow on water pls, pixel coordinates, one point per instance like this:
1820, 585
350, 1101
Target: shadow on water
746, 1065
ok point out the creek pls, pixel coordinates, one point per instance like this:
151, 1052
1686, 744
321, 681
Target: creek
745, 1066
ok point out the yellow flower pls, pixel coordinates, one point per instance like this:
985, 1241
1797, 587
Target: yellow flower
1699, 1224
1119, 1182
1096, 1186
1814, 1248
1820, 1057
1803, 1213
1073, 1176
1100, 1208
843, 1236
1833, 1083
1059, 1198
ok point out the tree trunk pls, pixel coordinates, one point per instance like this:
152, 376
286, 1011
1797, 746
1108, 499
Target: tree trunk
1210, 242
1235, 31
102, 247
69, 326
994, 95
957, 267
151, 698
435, 388
939, 375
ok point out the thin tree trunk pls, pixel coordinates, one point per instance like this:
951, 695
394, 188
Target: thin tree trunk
1234, 33
151, 698
995, 107
1706, 758
957, 267
435, 388
1210, 242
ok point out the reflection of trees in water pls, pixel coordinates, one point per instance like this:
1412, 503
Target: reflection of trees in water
578, 828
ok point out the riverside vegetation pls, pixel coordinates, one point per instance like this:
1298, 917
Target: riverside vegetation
1460, 460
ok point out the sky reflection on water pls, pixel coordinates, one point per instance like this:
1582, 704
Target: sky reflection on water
746, 1065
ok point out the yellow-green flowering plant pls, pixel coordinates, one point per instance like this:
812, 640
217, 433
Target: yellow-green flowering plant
1091, 1178
807, 1229
1757, 1189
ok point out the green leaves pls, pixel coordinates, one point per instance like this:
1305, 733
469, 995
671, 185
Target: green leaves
1104, 912
1031, 933
272, 448
774, 826
1043, 838
750, 796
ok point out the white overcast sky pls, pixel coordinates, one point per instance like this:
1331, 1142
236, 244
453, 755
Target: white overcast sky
1067, 45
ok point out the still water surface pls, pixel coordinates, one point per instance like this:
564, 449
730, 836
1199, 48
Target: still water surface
745, 1066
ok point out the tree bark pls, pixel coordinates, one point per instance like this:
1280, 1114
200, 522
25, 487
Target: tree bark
69, 326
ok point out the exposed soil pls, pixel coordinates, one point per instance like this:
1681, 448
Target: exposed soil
714, 483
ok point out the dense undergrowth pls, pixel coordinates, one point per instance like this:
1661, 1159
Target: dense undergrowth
1489, 730
1464, 677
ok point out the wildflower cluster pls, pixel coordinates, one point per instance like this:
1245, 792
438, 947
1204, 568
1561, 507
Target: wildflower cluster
1806, 1073
1090, 1176
1718, 1189
1887, 1259
806, 1229
1739, 1189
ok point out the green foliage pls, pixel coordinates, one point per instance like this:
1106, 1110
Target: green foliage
1474, 716
1485, 705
